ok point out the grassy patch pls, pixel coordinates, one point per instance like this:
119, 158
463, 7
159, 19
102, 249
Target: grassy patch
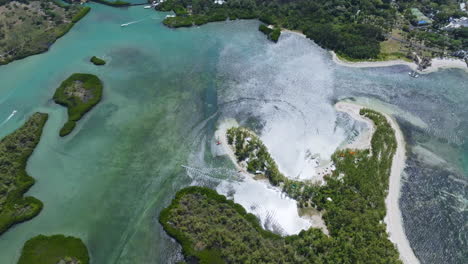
53, 249
79, 93
15, 150
97, 61
352, 202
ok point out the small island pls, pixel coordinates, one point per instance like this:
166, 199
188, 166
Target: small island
57, 249
15, 150
79, 93
97, 61
212, 229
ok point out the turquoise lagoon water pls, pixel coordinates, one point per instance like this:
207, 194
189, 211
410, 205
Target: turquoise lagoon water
164, 91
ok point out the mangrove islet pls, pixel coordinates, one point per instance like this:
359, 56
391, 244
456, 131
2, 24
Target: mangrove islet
97, 61
79, 93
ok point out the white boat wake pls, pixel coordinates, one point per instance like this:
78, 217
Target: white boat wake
9, 117
133, 22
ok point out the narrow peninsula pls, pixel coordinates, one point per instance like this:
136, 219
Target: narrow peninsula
15, 150
57, 249
79, 93
352, 202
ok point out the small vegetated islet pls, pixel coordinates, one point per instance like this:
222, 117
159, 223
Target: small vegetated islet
79, 93
97, 61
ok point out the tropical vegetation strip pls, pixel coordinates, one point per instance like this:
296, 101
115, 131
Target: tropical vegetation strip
79, 93
97, 61
30, 27
117, 3
57, 249
15, 150
209, 226
353, 29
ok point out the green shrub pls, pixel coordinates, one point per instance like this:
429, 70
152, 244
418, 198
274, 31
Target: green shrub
274, 36
265, 30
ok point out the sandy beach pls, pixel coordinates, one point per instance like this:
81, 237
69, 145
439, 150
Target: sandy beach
393, 219
363, 141
436, 63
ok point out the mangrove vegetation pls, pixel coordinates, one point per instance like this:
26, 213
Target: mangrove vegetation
212, 229
97, 61
79, 93
15, 150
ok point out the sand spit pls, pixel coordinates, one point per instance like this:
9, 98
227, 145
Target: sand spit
393, 219
363, 141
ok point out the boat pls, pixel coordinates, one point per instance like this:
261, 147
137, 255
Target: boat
124, 25
147, 7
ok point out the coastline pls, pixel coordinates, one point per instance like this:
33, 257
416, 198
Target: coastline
363, 140
393, 218
436, 63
